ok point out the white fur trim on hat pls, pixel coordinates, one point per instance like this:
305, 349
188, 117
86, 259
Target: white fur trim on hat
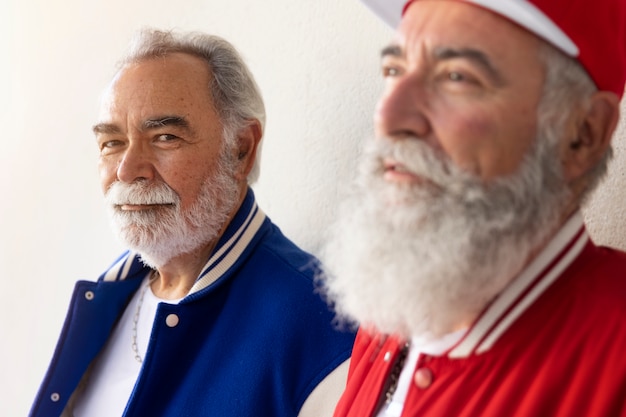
522, 12
527, 15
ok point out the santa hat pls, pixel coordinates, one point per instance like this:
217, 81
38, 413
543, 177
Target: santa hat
594, 32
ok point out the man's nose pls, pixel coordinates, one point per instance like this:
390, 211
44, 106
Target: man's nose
402, 109
136, 164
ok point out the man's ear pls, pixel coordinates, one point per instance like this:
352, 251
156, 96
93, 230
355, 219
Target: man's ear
248, 139
595, 127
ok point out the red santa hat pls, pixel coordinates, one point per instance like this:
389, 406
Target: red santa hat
594, 32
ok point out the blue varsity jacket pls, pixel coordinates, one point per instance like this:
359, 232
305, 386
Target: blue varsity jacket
252, 338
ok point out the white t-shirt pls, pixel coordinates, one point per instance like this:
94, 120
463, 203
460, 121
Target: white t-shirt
434, 347
115, 371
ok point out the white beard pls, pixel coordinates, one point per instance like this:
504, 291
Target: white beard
422, 260
161, 234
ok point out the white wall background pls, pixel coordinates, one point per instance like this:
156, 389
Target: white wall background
316, 62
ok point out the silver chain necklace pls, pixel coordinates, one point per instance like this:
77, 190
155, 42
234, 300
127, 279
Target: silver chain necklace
394, 377
153, 276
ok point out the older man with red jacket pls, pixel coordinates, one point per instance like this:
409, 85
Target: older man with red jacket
462, 253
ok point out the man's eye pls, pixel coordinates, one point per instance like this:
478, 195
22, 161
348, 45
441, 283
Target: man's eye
462, 77
110, 144
456, 76
166, 137
390, 71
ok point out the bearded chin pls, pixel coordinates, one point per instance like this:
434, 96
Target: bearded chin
165, 233
420, 260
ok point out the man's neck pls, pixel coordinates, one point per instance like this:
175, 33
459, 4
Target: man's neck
177, 276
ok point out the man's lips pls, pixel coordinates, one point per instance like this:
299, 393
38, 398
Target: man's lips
397, 172
139, 207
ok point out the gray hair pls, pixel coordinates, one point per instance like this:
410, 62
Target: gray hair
233, 89
567, 88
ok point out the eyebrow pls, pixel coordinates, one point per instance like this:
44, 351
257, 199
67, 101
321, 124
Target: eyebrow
152, 123
163, 121
391, 50
446, 53
477, 57
105, 128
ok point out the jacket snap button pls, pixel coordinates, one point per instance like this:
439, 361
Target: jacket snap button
423, 378
55, 397
89, 295
171, 320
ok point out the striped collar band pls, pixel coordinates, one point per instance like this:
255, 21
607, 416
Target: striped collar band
228, 250
545, 269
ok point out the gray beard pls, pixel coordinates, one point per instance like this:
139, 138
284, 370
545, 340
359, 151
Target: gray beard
422, 260
167, 232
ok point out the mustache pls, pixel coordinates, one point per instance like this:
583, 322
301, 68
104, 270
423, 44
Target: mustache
418, 157
141, 193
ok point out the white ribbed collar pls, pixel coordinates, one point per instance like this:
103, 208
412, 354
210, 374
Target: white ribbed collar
560, 252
